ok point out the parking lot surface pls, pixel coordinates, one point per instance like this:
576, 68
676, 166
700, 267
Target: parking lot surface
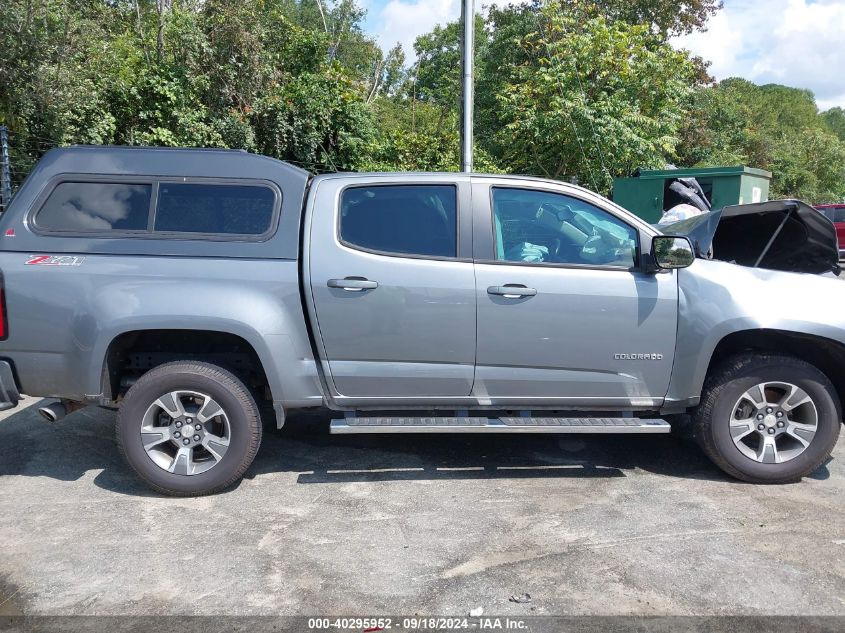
413, 524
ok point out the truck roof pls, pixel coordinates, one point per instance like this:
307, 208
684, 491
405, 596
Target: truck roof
387, 175
173, 161
213, 162
142, 163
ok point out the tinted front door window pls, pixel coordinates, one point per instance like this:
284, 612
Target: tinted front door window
548, 228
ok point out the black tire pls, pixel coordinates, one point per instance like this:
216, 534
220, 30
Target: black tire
221, 385
722, 390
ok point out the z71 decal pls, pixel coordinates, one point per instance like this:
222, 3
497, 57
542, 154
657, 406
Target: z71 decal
54, 260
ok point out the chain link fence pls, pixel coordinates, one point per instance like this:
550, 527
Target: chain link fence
5, 170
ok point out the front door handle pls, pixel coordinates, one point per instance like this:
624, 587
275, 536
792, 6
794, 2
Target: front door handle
511, 291
352, 284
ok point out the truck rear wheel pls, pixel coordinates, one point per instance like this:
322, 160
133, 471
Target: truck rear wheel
767, 418
189, 428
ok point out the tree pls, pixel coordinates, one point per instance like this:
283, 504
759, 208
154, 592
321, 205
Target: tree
716, 130
809, 166
414, 136
665, 17
599, 99
231, 73
771, 127
835, 121
499, 49
438, 69
584, 89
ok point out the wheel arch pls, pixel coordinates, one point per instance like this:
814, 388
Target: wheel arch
827, 355
241, 351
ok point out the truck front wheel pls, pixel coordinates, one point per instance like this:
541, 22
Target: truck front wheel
189, 428
767, 418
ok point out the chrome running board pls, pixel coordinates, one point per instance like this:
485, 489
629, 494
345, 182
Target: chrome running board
497, 425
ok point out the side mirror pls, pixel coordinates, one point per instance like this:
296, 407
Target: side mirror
670, 251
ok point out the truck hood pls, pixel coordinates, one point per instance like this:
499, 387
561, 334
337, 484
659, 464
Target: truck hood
783, 235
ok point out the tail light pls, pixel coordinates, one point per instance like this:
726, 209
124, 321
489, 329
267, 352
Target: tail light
4, 330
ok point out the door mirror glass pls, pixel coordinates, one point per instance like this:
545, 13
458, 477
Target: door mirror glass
672, 252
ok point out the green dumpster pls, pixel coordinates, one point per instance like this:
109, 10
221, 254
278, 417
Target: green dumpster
643, 194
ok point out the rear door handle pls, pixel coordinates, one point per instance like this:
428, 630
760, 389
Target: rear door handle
352, 284
511, 291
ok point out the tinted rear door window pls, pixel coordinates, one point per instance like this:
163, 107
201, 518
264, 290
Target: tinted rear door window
401, 219
215, 208
84, 207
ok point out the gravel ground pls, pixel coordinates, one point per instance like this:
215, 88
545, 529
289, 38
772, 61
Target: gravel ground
403, 524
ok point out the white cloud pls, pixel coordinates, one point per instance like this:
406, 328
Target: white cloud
827, 104
404, 20
794, 42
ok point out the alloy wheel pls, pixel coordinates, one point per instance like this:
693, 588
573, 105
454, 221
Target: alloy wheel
185, 432
774, 422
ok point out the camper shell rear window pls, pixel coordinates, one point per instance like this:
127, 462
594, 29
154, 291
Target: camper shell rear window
159, 208
86, 207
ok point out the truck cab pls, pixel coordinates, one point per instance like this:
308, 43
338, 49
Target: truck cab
447, 289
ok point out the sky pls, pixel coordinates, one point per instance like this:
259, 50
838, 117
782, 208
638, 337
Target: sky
799, 43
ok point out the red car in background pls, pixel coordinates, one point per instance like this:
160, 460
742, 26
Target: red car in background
836, 214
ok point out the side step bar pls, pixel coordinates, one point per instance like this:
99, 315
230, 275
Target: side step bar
498, 425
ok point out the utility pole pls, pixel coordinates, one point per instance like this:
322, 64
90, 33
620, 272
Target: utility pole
5, 170
467, 58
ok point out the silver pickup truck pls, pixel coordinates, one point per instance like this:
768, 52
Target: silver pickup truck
197, 291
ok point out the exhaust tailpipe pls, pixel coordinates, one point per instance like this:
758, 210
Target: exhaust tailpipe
53, 412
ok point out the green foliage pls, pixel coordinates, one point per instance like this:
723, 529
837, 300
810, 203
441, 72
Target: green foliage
771, 127
317, 120
438, 69
417, 136
835, 121
217, 73
597, 100
508, 46
664, 17
583, 89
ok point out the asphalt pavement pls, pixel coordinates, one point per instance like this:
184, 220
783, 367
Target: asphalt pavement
413, 524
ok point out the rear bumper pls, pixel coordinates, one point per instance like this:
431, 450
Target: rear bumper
9, 394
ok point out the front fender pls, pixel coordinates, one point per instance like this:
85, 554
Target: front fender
717, 299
